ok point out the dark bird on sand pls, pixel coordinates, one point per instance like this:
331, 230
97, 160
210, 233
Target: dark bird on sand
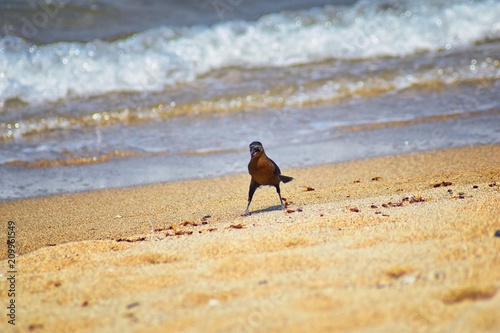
264, 172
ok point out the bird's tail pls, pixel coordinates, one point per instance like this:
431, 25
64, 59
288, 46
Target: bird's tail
285, 179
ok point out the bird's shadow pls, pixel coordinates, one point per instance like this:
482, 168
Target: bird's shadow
268, 209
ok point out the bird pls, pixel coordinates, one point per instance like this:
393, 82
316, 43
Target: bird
264, 172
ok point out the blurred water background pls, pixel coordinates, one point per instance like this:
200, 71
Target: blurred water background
107, 93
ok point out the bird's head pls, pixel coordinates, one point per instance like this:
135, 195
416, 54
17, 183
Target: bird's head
256, 149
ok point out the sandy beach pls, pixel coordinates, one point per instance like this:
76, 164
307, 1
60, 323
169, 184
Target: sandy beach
389, 244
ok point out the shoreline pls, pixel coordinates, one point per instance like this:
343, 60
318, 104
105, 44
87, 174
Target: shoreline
338, 145
400, 242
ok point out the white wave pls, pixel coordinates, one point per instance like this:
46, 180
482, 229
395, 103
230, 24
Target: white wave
158, 58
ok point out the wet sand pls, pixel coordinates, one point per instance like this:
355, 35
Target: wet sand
396, 243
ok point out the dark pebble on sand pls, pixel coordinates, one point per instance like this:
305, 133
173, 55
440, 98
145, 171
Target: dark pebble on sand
132, 305
497, 233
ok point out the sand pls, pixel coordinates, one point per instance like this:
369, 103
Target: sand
391, 244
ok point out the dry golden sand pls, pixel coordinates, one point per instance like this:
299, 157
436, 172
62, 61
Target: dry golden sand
424, 258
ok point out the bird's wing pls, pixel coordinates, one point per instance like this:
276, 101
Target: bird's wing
277, 170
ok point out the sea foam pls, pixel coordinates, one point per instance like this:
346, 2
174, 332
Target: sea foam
164, 57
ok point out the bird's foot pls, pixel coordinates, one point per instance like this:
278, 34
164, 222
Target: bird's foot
246, 213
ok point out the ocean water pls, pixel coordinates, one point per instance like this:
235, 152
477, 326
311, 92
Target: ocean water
118, 93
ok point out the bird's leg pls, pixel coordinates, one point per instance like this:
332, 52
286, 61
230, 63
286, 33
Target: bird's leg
246, 213
279, 195
251, 191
